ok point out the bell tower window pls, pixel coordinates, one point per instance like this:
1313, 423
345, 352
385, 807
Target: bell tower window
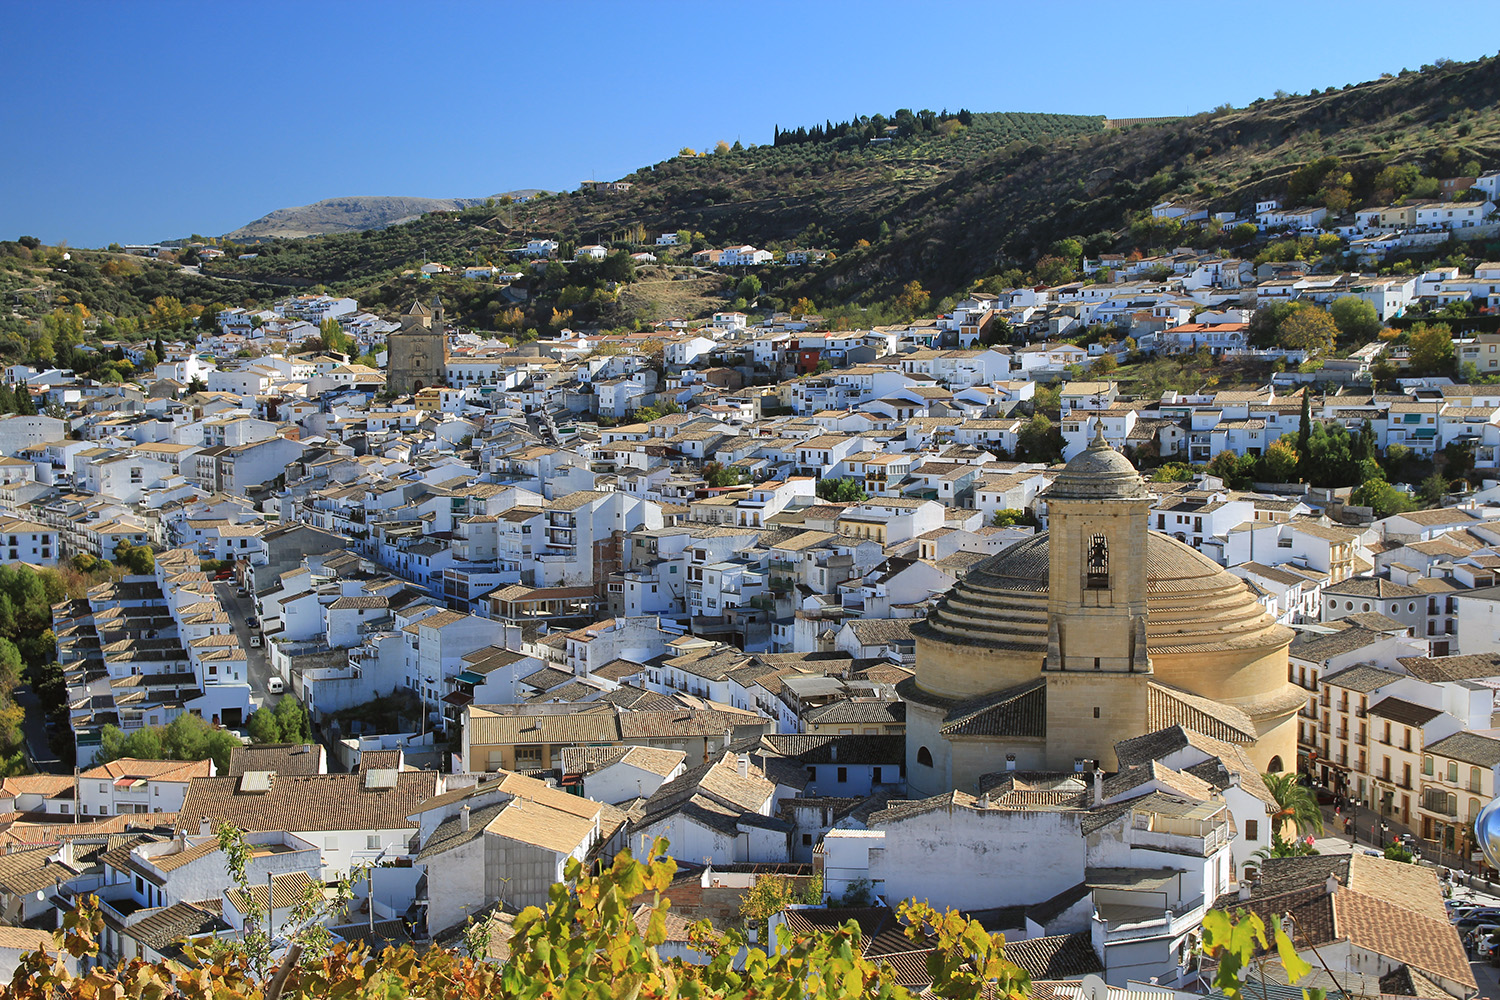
1098, 569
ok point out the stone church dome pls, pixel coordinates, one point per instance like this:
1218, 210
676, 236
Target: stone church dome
1193, 605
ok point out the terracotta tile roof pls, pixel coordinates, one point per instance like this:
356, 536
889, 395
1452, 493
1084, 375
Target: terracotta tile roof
1017, 711
287, 889
283, 758
845, 749
1430, 946
1404, 712
159, 770
172, 924
1167, 706
26, 939
1471, 748
1061, 956
1470, 666
296, 802
30, 871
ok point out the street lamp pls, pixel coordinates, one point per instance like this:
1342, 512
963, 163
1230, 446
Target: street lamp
1383, 831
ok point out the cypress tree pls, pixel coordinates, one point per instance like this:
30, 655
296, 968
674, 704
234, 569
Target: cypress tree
1304, 429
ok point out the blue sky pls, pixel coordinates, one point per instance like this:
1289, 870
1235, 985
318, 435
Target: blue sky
149, 120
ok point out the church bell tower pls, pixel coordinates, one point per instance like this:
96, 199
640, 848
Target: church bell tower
1098, 512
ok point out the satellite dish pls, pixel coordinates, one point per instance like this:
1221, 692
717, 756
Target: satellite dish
1093, 988
41, 896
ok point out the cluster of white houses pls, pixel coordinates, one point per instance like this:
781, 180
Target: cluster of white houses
607, 628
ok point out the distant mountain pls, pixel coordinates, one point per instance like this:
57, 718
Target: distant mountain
351, 215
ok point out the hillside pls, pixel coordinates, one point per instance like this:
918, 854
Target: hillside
349, 215
946, 204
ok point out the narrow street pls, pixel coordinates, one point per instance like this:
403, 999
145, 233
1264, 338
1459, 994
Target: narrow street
34, 726
239, 610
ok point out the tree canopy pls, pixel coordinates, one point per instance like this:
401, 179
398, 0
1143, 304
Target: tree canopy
186, 737
286, 723
1355, 317
844, 490
1309, 329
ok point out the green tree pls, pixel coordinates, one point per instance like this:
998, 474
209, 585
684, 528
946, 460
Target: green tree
1431, 349
1433, 488
618, 267
1012, 517
999, 331
1236, 472
1279, 463
1399, 852
1381, 497
187, 737
1296, 806
286, 723
1266, 323
1039, 441
138, 560
913, 299
1243, 233
1051, 270
844, 490
1355, 317
718, 476
748, 288
1308, 329
1103, 365
1304, 425
334, 338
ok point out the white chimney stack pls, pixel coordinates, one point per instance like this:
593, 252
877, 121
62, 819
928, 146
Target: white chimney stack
1245, 891
204, 829
1010, 762
1098, 787
1332, 884
463, 819
743, 762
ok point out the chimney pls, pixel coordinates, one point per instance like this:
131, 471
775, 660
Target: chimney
1098, 787
463, 819
833, 748
1010, 762
204, 829
1245, 891
743, 761
1332, 884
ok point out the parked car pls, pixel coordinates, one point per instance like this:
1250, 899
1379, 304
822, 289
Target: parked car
275, 685
253, 621
242, 592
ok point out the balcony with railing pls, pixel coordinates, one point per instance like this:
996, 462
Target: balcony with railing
1153, 917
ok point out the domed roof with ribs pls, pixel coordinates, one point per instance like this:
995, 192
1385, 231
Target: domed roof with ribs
1192, 603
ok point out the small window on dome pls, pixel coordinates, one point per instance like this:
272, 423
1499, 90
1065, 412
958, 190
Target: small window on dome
1098, 575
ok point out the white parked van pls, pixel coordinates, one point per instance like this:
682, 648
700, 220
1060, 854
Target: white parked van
275, 685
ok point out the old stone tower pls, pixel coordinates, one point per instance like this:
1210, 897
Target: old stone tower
417, 354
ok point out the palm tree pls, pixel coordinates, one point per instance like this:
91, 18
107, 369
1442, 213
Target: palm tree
1295, 804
